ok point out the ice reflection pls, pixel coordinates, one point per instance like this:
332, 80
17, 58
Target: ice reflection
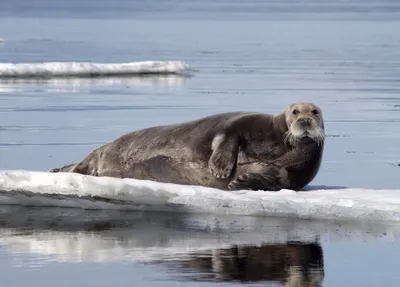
76, 84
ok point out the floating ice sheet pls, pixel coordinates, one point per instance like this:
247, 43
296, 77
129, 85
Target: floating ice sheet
81, 191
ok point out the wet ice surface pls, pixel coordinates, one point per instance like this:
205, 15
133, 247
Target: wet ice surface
88, 192
344, 56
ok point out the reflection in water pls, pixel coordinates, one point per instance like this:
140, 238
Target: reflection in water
219, 248
197, 247
79, 235
74, 84
293, 264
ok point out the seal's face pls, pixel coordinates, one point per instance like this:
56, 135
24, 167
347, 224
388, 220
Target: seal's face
305, 124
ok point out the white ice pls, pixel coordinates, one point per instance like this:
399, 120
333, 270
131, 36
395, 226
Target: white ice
20, 187
52, 69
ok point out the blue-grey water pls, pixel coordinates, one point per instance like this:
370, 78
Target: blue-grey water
251, 55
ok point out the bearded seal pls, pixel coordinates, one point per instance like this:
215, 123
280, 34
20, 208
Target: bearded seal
229, 151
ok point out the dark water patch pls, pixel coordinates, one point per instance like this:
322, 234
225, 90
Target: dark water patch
51, 144
358, 152
45, 128
382, 98
364, 121
221, 9
337, 135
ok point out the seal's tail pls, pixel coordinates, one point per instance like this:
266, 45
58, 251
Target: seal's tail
65, 168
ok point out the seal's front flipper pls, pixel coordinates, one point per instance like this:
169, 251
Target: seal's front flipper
269, 180
223, 159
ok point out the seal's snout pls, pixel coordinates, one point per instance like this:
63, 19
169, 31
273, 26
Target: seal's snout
305, 122
305, 128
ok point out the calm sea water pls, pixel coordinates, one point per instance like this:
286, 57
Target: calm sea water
252, 55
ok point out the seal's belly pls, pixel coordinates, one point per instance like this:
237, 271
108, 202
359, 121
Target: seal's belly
168, 169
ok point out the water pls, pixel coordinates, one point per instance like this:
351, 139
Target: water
258, 56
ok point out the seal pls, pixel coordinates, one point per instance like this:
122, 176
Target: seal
229, 151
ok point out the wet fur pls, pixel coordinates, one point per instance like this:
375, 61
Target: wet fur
236, 150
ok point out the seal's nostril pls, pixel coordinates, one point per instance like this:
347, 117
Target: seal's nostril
305, 121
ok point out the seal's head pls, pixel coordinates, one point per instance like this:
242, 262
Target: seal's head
305, 124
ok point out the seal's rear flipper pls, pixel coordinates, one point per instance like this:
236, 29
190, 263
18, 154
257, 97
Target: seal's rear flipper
268, 180
65, 168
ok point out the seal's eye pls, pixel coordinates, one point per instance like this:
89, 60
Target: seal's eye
315, 112
295, 112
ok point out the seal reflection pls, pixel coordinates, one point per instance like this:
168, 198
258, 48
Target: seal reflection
294, 264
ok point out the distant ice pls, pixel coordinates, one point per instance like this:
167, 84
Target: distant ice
59, 69
80, 191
